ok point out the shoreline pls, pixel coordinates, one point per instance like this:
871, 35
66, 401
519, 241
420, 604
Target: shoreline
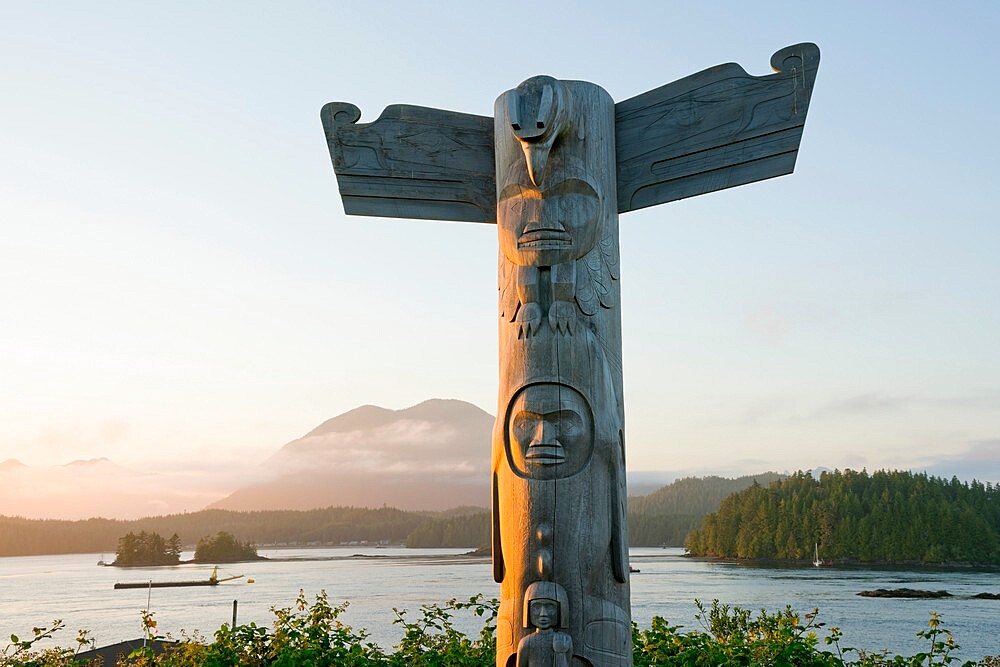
474, 555
847, 563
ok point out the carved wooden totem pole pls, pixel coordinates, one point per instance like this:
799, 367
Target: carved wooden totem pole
553, 169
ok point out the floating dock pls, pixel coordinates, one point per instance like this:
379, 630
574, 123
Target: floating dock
211, 581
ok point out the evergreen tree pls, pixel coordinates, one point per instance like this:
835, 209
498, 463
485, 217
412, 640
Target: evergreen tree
174, 546
144, 549
223, 548
889, 516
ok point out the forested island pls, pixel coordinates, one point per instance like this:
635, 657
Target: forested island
224, 548
150, 548
147, 549
326, 526
882, 517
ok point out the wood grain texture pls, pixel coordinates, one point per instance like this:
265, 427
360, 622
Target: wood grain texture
713, 130
413, 162
559, 516
554, 168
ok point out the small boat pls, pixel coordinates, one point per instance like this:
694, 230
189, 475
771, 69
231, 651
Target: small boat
632, 569
211, 581
816, 561
102, 562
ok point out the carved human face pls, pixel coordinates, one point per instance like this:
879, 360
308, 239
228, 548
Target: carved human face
550, 431
555, 223
543, 613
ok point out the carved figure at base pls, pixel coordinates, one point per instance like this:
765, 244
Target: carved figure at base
545, 609
559, 496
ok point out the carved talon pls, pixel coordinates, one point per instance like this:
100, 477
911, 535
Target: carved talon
562, 317
529, 317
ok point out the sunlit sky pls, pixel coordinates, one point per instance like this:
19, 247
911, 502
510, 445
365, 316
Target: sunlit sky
180, 286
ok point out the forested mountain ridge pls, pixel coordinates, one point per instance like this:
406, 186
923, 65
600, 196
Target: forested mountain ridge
663, 517
696, 495
331, 525
897, 516
464, 530
667, 515
886, 516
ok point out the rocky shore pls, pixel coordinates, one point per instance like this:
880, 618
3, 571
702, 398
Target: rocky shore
904, 593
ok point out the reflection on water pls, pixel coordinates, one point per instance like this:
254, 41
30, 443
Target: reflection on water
35, 590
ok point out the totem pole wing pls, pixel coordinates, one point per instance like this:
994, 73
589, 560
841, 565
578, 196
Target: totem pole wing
713, 130
413, 162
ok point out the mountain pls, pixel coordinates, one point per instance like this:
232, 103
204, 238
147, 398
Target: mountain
696, 495
431, 456
644, 482
667, 515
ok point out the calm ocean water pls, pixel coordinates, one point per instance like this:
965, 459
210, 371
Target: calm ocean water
35, 590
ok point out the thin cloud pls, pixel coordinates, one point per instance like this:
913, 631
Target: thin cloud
97, 487
988, 399
405, 445
877, 403
866, 404
980, 461
70, 439
766, 324
777, 409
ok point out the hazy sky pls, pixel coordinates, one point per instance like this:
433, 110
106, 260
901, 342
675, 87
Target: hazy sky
179, 285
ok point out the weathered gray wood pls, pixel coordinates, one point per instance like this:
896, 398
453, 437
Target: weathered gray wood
558, 456
709, 131
546, 606
413, 162
713, 130
554, 168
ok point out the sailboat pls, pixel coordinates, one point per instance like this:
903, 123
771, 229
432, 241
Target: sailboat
816, 561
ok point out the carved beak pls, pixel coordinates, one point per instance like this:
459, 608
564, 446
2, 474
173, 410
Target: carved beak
537, 115
536, 155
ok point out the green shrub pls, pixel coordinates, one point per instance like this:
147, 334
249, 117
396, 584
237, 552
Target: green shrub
311, 633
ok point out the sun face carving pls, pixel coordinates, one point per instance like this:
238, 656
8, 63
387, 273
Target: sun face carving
550, 431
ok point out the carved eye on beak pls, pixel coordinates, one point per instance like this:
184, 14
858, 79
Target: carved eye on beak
537, 114
540, 115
